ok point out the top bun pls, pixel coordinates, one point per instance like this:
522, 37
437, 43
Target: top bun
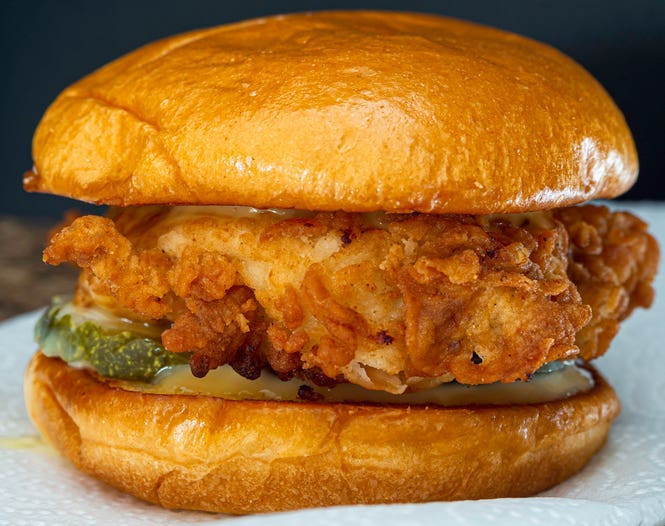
355, 111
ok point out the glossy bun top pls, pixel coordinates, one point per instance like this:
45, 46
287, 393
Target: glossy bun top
355, 111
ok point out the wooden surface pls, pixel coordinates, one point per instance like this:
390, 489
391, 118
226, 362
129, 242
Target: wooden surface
26, 283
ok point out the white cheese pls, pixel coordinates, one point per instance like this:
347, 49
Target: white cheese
224, 382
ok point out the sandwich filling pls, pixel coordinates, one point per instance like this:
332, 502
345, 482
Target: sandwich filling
389, 302
131, 353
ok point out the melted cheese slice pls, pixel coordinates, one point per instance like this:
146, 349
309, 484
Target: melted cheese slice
224, 382
377, 219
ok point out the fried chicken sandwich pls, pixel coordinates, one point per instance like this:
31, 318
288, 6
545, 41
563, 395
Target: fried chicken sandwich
347, 259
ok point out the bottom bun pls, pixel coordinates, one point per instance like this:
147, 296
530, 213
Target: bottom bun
205, 453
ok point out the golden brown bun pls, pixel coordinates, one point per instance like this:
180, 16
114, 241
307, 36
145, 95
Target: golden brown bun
198, 452
356, 111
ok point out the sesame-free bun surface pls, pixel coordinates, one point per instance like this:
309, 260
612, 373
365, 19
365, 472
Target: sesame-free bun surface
199, 452
356, 111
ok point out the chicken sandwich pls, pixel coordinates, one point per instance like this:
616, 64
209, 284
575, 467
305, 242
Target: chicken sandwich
347, 259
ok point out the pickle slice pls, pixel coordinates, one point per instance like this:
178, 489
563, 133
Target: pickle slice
63, 331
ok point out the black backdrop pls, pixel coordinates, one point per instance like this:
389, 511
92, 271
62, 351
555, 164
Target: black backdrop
46, 45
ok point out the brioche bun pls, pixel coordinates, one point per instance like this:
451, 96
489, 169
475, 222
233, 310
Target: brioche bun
205, 453
355, 111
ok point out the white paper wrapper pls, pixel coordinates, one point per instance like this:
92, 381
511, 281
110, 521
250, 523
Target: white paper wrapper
623, 485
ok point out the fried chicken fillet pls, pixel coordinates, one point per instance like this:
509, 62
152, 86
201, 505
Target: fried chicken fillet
386, 301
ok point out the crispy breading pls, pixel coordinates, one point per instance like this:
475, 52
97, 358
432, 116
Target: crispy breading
137, 280
613, 260
391, 302
213, 330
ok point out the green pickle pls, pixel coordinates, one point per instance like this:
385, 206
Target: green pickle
112, 352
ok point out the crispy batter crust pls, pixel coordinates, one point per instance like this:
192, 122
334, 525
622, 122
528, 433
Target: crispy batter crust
612, 262
198, 452
390, 302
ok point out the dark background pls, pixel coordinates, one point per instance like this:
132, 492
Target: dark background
47, 45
